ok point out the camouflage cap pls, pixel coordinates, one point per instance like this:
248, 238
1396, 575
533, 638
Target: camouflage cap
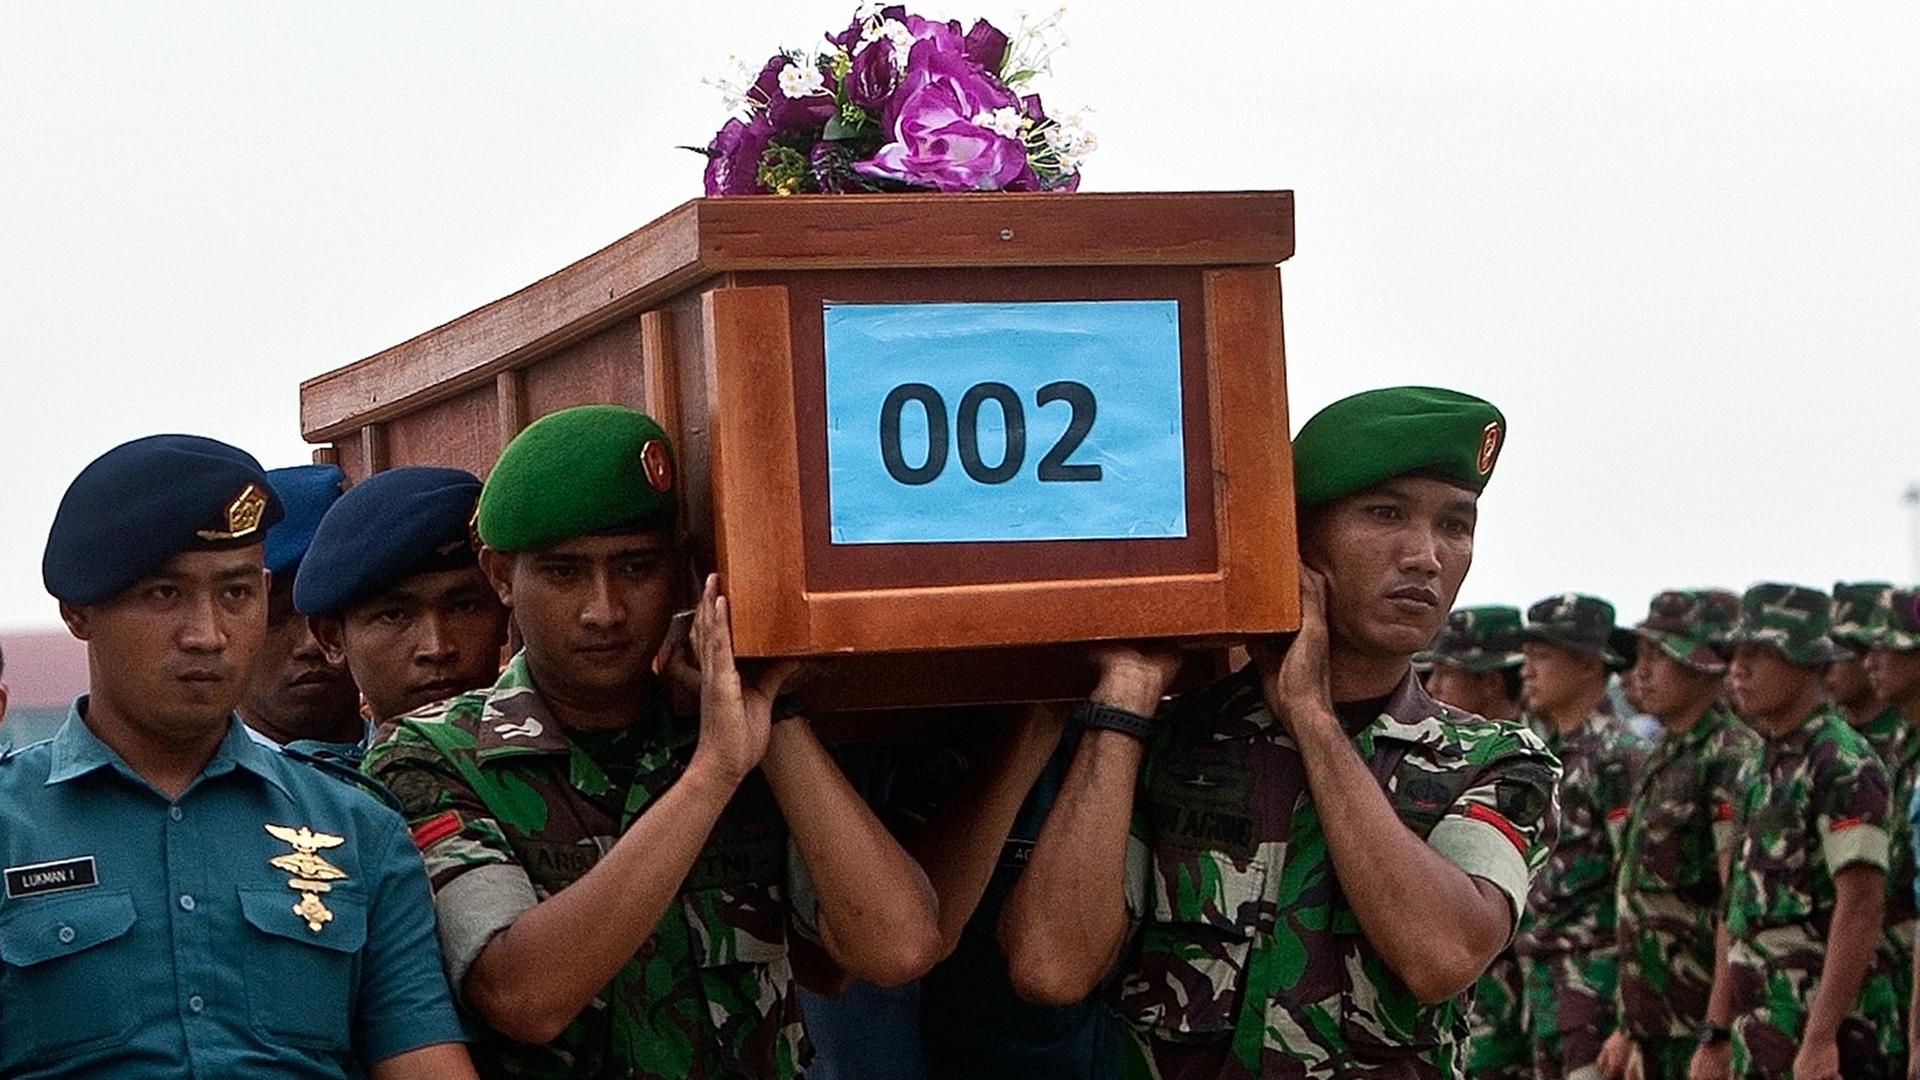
1901, 632
1860, 610
1575, 621
1688, 624
1479, 639
1792, 618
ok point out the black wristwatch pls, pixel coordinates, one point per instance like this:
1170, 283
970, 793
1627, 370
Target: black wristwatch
785, 707
1092, 714
1711, 1034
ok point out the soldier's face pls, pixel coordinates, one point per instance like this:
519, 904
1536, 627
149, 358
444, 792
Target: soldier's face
1670, 690
1896, 677
1767, 688
172, 654
1458, 687
295, 690
1555, 678
1394, 557
426, 639
1848, 684
593, 610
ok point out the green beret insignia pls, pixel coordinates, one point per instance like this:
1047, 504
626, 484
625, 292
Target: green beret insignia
1372, 437
588, 469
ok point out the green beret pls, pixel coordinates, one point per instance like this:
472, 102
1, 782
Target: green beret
1374, 436
588, 469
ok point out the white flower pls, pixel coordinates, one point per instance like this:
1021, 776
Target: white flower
899, 36
797, 81
736, 87
1005, 120
868, 10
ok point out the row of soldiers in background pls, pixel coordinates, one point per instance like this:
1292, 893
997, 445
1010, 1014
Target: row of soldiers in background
1739, 894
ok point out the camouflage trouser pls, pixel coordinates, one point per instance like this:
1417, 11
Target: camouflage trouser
1666, 1059
1497, 1047
1770, 1012
1569, 1010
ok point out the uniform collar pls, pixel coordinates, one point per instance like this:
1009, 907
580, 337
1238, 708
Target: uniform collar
514, 718
77, 751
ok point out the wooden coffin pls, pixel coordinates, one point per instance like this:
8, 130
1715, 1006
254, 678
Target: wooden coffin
756, 331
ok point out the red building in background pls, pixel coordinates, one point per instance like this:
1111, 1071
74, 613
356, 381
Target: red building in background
45, 671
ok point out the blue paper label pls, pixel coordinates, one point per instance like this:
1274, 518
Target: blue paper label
1031, 421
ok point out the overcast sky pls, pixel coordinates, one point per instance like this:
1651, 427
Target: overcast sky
1680, 248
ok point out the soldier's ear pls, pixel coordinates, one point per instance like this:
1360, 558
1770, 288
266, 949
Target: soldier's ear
498, 566
77, 620
331, 635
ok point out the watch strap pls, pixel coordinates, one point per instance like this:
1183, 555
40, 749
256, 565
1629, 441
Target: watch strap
1092, 714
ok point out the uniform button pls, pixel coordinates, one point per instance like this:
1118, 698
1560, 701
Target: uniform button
174, 813
196, 1003
66, 935
186, 903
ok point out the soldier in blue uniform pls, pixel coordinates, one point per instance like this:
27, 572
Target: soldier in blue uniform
393, 589
180, 901
296, 694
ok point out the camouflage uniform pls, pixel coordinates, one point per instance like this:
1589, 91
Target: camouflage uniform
1669, 893
1478, 640
1822, 803
1863, 616
1248, 960
508, 808
1569, 948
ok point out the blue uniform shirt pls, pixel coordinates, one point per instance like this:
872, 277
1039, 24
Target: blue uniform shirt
143, 938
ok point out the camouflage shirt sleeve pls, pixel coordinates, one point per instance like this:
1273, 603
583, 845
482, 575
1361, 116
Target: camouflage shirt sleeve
1502, 826
1852, 806
479, 886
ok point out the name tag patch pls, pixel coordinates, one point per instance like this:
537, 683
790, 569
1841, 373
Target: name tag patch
51, 877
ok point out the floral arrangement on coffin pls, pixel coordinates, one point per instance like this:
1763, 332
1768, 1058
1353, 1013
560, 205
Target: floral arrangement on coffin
897, 102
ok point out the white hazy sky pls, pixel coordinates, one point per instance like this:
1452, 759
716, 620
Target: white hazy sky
1679, 244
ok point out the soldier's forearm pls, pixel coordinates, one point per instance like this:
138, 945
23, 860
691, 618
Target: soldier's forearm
1852, 937
1065, 921
1402, 890
535, 976
877, 912
1720, 997
963, 845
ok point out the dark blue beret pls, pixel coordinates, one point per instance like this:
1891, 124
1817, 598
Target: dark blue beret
141, 503
388, 527
305, 493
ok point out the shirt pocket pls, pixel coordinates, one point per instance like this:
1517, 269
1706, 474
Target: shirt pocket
301, 982
1189, 978
62, 976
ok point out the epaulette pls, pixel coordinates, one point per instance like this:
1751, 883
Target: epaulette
335, 766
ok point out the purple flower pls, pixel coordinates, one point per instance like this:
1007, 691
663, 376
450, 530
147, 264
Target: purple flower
809, 113
733, 158
986, 46
873, 76
932, 139
848, 38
